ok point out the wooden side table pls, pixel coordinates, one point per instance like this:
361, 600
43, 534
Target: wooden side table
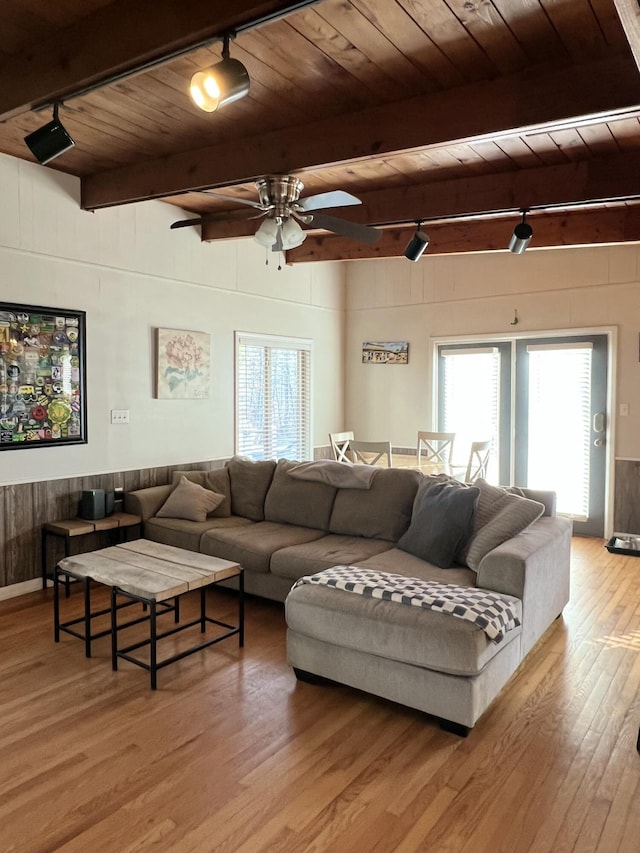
72, 528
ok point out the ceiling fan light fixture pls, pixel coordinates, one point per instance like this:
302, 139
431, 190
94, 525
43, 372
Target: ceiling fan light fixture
292, 234
267, 233
221, 84
521, 236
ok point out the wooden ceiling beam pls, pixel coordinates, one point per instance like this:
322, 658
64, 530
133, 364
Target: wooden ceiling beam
539, 99
578, 182
96, 49
629, 14
575, 228
602, 178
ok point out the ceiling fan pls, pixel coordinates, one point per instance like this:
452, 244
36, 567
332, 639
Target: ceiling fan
280, 203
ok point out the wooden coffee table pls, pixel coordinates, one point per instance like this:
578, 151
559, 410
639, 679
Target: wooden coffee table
154, 575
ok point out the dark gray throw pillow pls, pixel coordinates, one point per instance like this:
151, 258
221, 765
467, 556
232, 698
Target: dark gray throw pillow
441, 522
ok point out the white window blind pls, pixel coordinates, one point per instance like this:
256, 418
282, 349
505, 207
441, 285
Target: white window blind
560, 424
273, 397
472, 401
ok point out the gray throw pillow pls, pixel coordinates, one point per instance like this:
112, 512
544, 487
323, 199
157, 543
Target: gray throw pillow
500, 515
189, 501
441, 522
216, 480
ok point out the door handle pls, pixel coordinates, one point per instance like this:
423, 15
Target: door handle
598, 422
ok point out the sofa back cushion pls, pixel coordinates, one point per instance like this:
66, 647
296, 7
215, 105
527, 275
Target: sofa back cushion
380, 512
216, 480
293, 501
250, 482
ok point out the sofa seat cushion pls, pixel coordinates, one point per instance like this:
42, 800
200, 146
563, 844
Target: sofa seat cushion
187, 534
402, 563
331, 550
387, 629
252, 546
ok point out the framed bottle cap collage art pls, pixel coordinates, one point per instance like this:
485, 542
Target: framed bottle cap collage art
43, 399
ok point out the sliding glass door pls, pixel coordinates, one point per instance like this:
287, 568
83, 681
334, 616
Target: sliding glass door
542, 402
561, 397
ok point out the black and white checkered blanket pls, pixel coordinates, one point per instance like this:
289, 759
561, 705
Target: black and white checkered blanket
494, 613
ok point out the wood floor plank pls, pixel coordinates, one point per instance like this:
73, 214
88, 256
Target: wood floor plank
232, 754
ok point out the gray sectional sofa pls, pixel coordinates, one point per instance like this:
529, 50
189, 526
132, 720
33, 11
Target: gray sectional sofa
282, 521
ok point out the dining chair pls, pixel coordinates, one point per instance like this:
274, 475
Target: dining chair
478, 460
434, 450
370, 452
340, 445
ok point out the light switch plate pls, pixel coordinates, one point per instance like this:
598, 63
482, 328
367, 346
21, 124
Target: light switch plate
119, 416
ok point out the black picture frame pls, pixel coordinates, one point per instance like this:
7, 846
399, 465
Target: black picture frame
43, 386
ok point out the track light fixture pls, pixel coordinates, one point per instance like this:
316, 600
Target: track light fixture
521, 236
417, 244
223, 83
49, 141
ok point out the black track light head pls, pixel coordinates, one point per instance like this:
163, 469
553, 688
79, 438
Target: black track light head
417, 244
521, 236
48, 142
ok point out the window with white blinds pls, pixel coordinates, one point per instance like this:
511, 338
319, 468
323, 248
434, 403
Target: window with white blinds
560, 423
273, 397
471, 401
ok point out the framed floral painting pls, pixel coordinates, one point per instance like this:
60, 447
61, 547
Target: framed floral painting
183, 364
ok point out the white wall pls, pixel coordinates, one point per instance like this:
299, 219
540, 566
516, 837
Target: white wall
474, 295
131, 274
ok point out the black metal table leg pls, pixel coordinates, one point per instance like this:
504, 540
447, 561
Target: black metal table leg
67, 553
241, 609
153, 663
43, 557
87, 617
114, 629
56, 607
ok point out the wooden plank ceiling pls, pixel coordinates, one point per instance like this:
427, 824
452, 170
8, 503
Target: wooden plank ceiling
458, 113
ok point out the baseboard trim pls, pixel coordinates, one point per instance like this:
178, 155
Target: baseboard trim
16, 589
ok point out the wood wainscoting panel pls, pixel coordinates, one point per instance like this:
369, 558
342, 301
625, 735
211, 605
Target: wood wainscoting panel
25, 507
626, 515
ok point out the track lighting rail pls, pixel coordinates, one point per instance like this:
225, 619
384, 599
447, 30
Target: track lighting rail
254, 23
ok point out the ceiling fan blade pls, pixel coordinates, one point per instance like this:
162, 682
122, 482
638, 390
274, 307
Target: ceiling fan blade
336, 198
233, 199
184, 223
218, 217
364, 233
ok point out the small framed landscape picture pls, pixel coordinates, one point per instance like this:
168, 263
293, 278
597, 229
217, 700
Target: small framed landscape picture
183, 364
385, 352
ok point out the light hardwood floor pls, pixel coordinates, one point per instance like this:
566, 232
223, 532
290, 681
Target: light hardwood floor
231, 754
